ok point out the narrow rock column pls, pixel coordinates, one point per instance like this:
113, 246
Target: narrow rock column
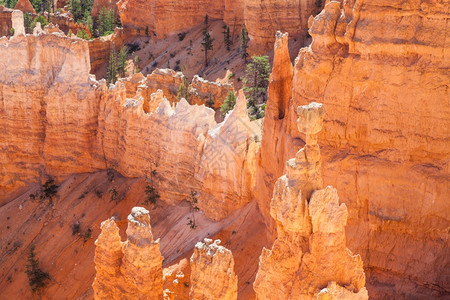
310, 254
212, 272
132, 269
108, 257
18, 23
142, 261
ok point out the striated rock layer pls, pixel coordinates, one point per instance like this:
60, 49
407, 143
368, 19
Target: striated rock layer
132, 269
262, 18
212, 272
386, 135
310, 252
57, 120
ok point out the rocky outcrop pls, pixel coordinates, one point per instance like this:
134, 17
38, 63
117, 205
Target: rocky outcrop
212, 272
262, 18
110, 128
132, 269
5, 21
229, 158
310, 252
211, 93
107, 4
17, 23
384, 136
25, 6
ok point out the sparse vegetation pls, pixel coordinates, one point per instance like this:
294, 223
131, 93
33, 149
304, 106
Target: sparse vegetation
76, 228
210, 102
229, 103
256, 82
183, 90
113, 194
49, 190
122, 61
150, 190
181, 36
190, 48
39, 18
146, 30
227, 37
207, 42
11, 31
106, 21
82, 34
36, 277
193, 200
87, 235
136, 64
112, 72
244, 43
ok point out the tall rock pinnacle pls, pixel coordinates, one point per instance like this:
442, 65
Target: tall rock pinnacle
309, 259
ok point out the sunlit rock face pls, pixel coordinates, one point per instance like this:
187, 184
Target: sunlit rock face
310, 252
262, 18
132, 269
212, 272
385, 134
58, 120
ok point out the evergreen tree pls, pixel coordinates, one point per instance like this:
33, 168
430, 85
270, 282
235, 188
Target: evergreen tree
36, 277
256, 82
82, 34
39, 18
229, 103
122, 61
27, 22
11, 3
207, 43
227, 37
106, 21
210, 102
183, 90
111, 73
244, 43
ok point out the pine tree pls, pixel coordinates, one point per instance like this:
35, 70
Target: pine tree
244, 43
229, 103
207, 43
111, 73
122, 61
226, 36
106, 21
256, 82
183, 90
210, 102
36, 277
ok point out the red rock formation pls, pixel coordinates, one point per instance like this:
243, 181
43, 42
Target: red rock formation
132, 269
385, 135
212, 272
5, 20
262, 18
110, 128
310, 252
229, 157
25, 6
99, 4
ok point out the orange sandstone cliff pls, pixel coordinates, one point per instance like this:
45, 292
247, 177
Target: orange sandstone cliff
132, 269
310, 253
385, 138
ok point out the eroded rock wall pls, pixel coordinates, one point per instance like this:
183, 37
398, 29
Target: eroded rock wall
212, 272
58, 120
132, 269
385, 136
262, 18
310, 252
